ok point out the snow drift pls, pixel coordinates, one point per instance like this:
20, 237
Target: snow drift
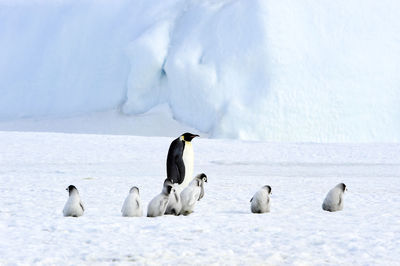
266, 70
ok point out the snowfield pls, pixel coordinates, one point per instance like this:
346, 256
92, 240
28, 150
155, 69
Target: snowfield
100, 74
35, 169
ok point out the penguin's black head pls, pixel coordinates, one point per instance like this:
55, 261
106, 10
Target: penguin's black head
342, 186
167, 187
134, 189
268, 188
189, 136
203, 177
71, 188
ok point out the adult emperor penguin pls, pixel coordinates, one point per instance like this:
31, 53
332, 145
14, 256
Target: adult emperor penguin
260, 202
158, 205
74, 206
334, 199
132, 205
192, 193
174, 203
180, 160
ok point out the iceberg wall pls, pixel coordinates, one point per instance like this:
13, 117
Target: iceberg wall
256, 70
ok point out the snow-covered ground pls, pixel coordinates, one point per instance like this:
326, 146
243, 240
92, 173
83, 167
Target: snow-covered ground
156, 122
277, 71
35, 169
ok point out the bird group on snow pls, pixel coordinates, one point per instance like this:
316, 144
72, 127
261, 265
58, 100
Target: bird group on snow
181, 191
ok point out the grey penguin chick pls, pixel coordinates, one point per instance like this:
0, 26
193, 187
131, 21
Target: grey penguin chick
174, 203
260, 202
203, 179
334, 199
132, 206
158, 204
192, 193
73, 207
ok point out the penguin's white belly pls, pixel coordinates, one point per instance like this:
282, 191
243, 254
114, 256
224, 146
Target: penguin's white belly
131, 207
189, 197
188, 160
73, 207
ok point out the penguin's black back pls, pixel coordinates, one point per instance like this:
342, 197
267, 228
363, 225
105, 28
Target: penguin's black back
175, 165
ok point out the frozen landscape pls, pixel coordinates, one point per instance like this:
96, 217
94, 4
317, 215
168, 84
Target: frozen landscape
298, 95
241, 69
37, 167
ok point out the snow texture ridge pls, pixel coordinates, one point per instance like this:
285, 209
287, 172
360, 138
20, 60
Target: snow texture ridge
247, 69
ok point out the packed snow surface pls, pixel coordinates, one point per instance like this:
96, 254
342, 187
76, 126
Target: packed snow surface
156, 122
314, 71
35, 169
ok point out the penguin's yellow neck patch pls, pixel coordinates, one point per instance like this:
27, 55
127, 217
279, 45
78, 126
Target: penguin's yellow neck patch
183, 139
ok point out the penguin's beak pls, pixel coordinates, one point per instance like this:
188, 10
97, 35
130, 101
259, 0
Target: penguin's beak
192, 136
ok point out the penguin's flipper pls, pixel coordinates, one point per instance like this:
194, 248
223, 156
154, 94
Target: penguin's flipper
137, 203
251, 200
81, 204
201, 191
175, 164
176, 197
193, 200
163, 205
181, 170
